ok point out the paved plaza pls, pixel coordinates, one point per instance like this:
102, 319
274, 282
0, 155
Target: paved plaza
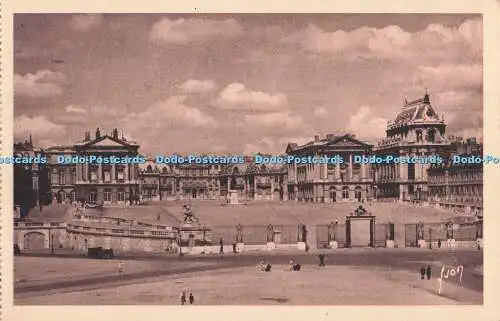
351, 277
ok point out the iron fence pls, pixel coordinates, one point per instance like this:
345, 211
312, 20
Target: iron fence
324, 235
433, 232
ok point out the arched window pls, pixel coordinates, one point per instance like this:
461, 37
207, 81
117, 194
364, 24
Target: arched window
431, 135
357, 193
149, 169
419, 135
345, 193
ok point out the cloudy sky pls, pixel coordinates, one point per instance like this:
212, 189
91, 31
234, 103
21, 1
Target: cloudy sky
240, 83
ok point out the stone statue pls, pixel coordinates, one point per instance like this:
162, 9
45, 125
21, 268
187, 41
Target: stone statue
332, 231
270, 233
360, 211
420, 230
239, 233
188, 214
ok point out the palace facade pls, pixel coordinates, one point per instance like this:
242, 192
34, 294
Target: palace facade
417, 130
167, 182
91, 182
458, 185
330, 182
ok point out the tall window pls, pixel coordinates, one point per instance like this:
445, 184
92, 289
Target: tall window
62, 177
345, 193
431, 135
93, 196
120, 172
93, 173
120, 195
107, 195
107, 173
54, 177
411, 171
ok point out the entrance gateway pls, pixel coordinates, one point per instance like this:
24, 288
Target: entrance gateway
360, 229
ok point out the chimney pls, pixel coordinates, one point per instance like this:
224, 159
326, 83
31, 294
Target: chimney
115, 133
316, 138
87, 136
330, 137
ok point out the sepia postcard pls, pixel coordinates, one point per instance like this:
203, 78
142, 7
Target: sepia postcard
312, 159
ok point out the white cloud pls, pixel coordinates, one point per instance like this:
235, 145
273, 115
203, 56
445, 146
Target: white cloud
43, 130
274, 119
76, 110
451, 99
237, 96
192, 30
43, 83
265, 145
366, 124
450, 77
170, 112
392, 42
319, 111
198, 86
84, 22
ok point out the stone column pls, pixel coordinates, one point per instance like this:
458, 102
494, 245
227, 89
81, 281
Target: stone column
272, 188
79, 172
99, 174
218, 186
113, 173
337, 172
126, 172
246, 187
228, 184
350, 168
325, 171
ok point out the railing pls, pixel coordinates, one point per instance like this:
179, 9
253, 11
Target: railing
121, 232
21, 225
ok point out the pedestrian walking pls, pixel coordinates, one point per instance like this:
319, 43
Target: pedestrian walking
422, 273
183, 298
221, 242
428, 272
120, 267
191, 298
321, 260
439, 243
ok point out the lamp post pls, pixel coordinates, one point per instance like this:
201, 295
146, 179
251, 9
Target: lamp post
430, 238
51, 241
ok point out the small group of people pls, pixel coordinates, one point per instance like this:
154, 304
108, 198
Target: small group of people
293, 266
264, 266
184, 298
425, 272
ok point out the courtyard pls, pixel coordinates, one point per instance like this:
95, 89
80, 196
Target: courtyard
356, 277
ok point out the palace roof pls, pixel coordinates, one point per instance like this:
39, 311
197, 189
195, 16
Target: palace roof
419, 110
